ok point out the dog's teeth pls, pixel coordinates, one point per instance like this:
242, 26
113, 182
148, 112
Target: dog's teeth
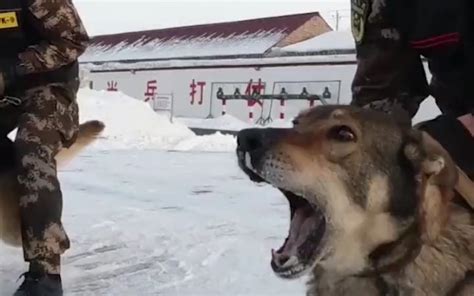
248, 161
293, 271
291, 262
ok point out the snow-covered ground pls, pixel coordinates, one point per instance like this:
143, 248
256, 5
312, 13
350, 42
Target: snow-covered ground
165, 223
152, 209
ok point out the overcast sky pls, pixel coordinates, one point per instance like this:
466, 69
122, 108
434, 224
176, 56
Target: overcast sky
112, 16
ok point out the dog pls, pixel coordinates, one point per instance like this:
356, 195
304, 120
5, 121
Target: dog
373, 206
10, 232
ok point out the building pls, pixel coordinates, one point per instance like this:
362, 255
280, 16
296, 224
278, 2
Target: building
268, 69
240, 39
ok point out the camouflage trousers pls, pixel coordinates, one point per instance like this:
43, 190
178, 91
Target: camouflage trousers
47, 121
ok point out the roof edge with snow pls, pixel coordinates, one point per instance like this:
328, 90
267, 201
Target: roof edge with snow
245, 38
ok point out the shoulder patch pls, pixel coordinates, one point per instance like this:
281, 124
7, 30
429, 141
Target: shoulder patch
359, 12
8, 20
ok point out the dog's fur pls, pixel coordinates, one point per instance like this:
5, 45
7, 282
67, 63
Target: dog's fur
9, 194
386, 190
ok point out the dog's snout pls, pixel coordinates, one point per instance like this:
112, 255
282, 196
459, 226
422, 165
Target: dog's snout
253, 139
250, 140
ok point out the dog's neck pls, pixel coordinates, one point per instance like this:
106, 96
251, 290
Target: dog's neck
395, 255
438, 268
396, 262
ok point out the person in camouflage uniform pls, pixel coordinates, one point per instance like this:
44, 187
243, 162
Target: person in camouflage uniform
41, 42
392, 38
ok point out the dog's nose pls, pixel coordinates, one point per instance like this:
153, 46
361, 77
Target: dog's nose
250, 139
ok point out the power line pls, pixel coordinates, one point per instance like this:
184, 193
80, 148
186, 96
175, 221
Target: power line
339, 15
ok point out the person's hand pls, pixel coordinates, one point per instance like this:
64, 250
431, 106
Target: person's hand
468, 121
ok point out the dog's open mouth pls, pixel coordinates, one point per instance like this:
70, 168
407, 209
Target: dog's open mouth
303, 246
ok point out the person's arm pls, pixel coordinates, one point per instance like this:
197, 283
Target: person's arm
63, 39
389, 73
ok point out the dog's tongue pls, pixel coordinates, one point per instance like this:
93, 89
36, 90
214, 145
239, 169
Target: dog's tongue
304, 224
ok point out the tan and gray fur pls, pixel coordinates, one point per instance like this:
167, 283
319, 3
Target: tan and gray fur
9, 195
389, 190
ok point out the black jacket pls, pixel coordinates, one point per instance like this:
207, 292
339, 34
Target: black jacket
392, 38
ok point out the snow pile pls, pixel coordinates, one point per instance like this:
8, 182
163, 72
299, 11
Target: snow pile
129, 122
333, 40
132, 124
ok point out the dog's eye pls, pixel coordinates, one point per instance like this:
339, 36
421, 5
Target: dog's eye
342, 133
295, 122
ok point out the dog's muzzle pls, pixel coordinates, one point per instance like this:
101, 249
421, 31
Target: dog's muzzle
303, 245
252, 145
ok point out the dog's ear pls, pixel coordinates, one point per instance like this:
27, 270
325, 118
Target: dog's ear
437, 176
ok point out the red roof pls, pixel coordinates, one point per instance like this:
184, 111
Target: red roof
282, 24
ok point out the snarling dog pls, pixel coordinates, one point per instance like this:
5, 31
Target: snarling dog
371, 204
10, 232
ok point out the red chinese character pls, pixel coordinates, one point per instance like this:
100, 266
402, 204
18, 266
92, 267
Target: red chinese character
254, 88
151, 89
112, 85
193, 92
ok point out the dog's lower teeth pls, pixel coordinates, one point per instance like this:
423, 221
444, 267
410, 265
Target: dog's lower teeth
297, 269
291, 262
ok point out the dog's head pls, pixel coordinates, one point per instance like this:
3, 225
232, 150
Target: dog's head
355, 179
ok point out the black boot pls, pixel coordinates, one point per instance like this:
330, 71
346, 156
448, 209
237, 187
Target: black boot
40, 284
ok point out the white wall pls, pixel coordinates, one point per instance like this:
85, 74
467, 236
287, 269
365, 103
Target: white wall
337, 78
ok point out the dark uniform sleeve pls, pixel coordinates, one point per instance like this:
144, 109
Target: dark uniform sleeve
389, 73
63, 36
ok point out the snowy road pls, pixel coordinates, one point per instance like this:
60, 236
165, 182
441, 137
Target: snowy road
165, 223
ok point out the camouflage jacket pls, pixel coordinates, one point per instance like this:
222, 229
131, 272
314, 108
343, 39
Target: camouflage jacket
55, 38
64, 36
